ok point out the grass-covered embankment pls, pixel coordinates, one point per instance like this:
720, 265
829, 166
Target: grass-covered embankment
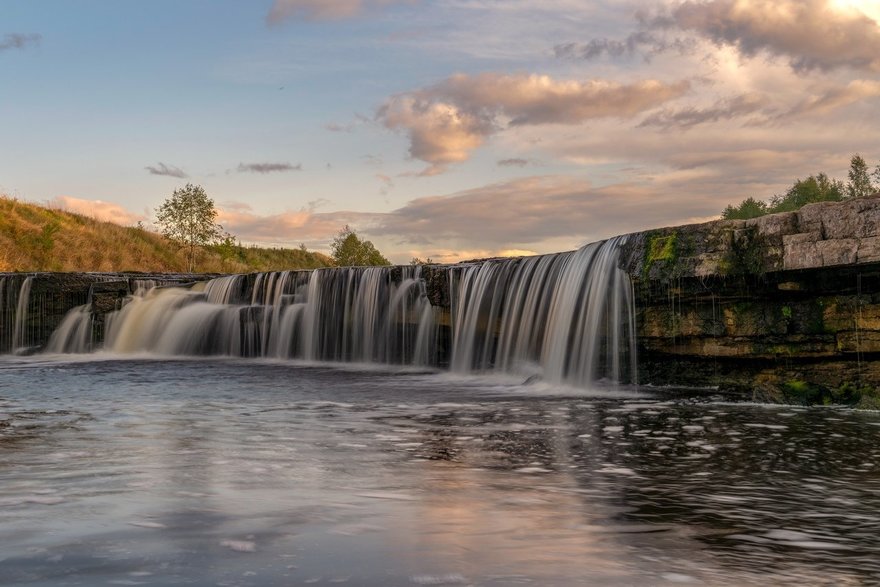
35, 238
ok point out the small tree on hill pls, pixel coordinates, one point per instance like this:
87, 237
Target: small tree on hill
859, 183
347, 250
188, 217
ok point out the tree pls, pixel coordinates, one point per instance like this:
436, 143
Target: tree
816, 188
348, 250
748, 208
859, 183
188, 217
228, 247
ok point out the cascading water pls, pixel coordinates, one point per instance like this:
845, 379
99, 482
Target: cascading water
20, 331
568, 317
348, 314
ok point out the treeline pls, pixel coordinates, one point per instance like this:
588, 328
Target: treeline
816, 188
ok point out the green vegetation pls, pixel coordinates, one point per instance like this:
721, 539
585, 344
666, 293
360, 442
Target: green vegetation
816, 188
36, 238
807, 394
188, 218
746, 255
866, 398
863, 397
349, 250
859, 180
660, 250
748, 208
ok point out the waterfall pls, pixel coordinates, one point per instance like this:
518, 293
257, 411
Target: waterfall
74, 334
567, 317
553, 315
347, 314
20, 339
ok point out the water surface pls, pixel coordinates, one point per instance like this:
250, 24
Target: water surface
222, 472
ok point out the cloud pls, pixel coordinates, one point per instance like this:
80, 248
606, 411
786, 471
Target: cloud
19, 41
372, 160
447, 121
513, 162
439, 133
104, 211
387, 183
811, 34
530, 213
267, 167
726, 109
336, 127
643, 42
168, 170
305, 225
834, 98
321, 9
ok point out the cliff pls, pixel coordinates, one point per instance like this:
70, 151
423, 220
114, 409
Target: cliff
783, 307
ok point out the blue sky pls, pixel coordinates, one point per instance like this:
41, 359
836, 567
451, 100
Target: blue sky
445, 128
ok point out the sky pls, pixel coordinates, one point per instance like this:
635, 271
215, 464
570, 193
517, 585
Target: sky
449, 129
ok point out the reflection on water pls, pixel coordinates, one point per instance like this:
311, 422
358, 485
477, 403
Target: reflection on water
242, 473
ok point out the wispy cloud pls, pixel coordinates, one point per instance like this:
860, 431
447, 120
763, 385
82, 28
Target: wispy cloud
387, 184
267, 167
833, 99
447, 121
19, 41
305, 225
167, 170
725, 109
322, 9
97, 209
514, 162
523, 213
645, 43
336, 127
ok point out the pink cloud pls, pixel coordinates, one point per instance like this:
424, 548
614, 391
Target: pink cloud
449, 120
99, 210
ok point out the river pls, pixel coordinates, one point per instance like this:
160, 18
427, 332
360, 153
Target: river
143, 471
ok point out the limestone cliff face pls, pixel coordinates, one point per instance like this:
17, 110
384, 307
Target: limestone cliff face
781, 307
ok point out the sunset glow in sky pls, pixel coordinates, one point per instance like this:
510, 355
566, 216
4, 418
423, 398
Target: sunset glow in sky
437, 128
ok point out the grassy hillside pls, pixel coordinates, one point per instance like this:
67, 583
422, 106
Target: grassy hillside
34, 238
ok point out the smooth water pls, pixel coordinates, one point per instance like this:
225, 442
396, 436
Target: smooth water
249, 472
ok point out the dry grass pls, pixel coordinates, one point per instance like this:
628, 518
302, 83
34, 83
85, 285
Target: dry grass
34, 238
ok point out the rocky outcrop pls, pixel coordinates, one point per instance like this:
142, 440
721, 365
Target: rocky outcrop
826, 234
786, 306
